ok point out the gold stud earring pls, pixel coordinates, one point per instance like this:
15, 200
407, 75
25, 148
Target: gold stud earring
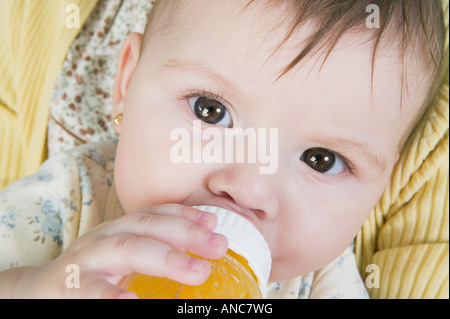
117, 120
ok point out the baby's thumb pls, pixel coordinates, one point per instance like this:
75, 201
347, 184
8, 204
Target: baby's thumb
93, 286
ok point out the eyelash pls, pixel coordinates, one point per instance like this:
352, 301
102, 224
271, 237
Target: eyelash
215, 96
218, 96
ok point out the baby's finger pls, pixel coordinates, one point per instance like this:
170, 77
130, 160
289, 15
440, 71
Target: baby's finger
174, 231
123, 253
93, 286
205, 219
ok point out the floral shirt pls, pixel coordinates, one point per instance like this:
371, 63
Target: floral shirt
82, 98
72, 192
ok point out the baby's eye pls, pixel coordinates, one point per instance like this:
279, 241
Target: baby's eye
323, 161
210, 111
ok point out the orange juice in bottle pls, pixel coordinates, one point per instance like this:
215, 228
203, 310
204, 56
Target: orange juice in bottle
242, 273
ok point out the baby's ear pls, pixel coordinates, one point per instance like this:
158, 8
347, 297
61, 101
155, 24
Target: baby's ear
128, 58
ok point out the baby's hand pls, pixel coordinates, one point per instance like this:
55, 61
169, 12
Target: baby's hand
151, 241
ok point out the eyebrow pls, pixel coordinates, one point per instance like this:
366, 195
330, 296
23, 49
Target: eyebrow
200, 68
375, 161
203, 70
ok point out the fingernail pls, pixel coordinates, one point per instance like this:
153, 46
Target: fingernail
207, 219
216, 239
195, 264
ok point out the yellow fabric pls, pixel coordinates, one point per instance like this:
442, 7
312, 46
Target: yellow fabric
35, 40
406, 235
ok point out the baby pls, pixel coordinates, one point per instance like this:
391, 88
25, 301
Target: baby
342, 82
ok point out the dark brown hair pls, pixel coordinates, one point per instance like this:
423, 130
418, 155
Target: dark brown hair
410, 22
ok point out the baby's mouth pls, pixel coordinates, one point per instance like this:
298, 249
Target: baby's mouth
246, 213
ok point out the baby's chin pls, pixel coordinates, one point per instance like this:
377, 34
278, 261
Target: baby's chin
287, 271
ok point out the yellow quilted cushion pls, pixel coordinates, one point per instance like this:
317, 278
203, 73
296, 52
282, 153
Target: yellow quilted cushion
35, 40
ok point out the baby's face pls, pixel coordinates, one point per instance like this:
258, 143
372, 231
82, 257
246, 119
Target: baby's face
336, 141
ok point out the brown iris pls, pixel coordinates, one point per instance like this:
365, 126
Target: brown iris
208, 110
319, 159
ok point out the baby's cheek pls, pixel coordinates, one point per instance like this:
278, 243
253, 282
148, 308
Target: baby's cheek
319, 246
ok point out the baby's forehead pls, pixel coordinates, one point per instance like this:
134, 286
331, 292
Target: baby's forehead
407, 26
310, 29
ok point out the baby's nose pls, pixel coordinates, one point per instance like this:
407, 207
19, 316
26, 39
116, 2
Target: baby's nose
247, 188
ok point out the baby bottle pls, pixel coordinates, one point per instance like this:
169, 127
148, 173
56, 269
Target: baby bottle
242, 273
